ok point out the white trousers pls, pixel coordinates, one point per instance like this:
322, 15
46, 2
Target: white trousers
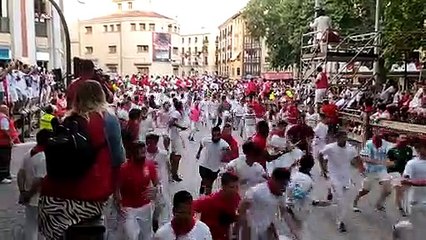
31, 223
340, 192
418, 220
138, 223
249, 131
320, 94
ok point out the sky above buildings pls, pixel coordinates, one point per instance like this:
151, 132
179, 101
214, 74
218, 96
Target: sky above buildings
193, 15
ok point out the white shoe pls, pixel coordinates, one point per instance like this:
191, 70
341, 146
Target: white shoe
6, 181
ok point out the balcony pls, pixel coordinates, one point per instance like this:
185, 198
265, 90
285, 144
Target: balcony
40, 29
4, 25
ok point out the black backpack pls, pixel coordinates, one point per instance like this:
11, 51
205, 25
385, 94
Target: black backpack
69, 153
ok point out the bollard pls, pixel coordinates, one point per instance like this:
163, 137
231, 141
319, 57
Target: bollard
88, 230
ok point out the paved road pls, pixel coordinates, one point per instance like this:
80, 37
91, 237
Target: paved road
320, 224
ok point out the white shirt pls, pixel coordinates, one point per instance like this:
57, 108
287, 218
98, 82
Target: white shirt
163, 118
339, 160
239, 110
200, 232
321, 24
416, 169
249, 176
321, 131
145, 126
33, 167
174, 132
263, 206
160, 158
212, 153
285, 161
123, 114
312, 119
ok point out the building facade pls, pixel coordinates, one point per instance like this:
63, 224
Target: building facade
30, 31
230, 46
255, 56
198, 53
129, 41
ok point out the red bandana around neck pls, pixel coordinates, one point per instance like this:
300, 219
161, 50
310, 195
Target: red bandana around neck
182, 228
273, 189
36, 150
377, 141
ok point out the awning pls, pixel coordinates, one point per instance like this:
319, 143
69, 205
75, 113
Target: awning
42, 56
4, 53
273, 76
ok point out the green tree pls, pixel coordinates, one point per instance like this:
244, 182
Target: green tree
403, 28
282, 22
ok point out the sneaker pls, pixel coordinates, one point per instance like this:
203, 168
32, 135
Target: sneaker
6, 181
356, 209
176, 178
330, 197
380, 209
341, 227
402, 212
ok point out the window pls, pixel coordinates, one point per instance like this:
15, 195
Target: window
40, 7
206, 61
119, 6
170, 28
196, 40
112, 68
142, 70
183, 50
130, 5
183, 40
196, 49
189, 50
112, 49
152, 27
142, 48
175, 51
189, 40
238, 71
111, 27
89, 50
118, 26
142, 27
176, 29
133, 26
89, 30
105, 28
4, 8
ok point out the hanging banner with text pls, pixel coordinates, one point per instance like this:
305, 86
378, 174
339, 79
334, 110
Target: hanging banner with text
161, 45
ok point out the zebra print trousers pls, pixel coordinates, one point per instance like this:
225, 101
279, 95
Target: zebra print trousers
56, 215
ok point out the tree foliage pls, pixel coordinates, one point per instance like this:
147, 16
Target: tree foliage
403, 28
282, 22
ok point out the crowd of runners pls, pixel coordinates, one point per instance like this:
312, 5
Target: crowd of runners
120, 146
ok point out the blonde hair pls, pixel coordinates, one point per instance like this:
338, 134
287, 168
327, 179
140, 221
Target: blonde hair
89, 98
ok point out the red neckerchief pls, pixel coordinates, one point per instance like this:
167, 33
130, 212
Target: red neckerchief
273, 189
36, 149
182, 228
377, 141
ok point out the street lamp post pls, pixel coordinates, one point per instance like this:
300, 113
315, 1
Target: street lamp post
67, 40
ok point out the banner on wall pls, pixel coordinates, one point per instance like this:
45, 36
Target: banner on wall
161, 45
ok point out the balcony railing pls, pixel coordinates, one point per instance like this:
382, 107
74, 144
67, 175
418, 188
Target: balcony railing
41, 29
4, 25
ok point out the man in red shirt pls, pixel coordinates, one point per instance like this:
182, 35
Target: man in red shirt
136, 195
330, 110
301, 135
260, 139
321, 85
219, 210
233, 144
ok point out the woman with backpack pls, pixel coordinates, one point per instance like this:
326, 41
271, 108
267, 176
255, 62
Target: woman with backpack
83, 159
